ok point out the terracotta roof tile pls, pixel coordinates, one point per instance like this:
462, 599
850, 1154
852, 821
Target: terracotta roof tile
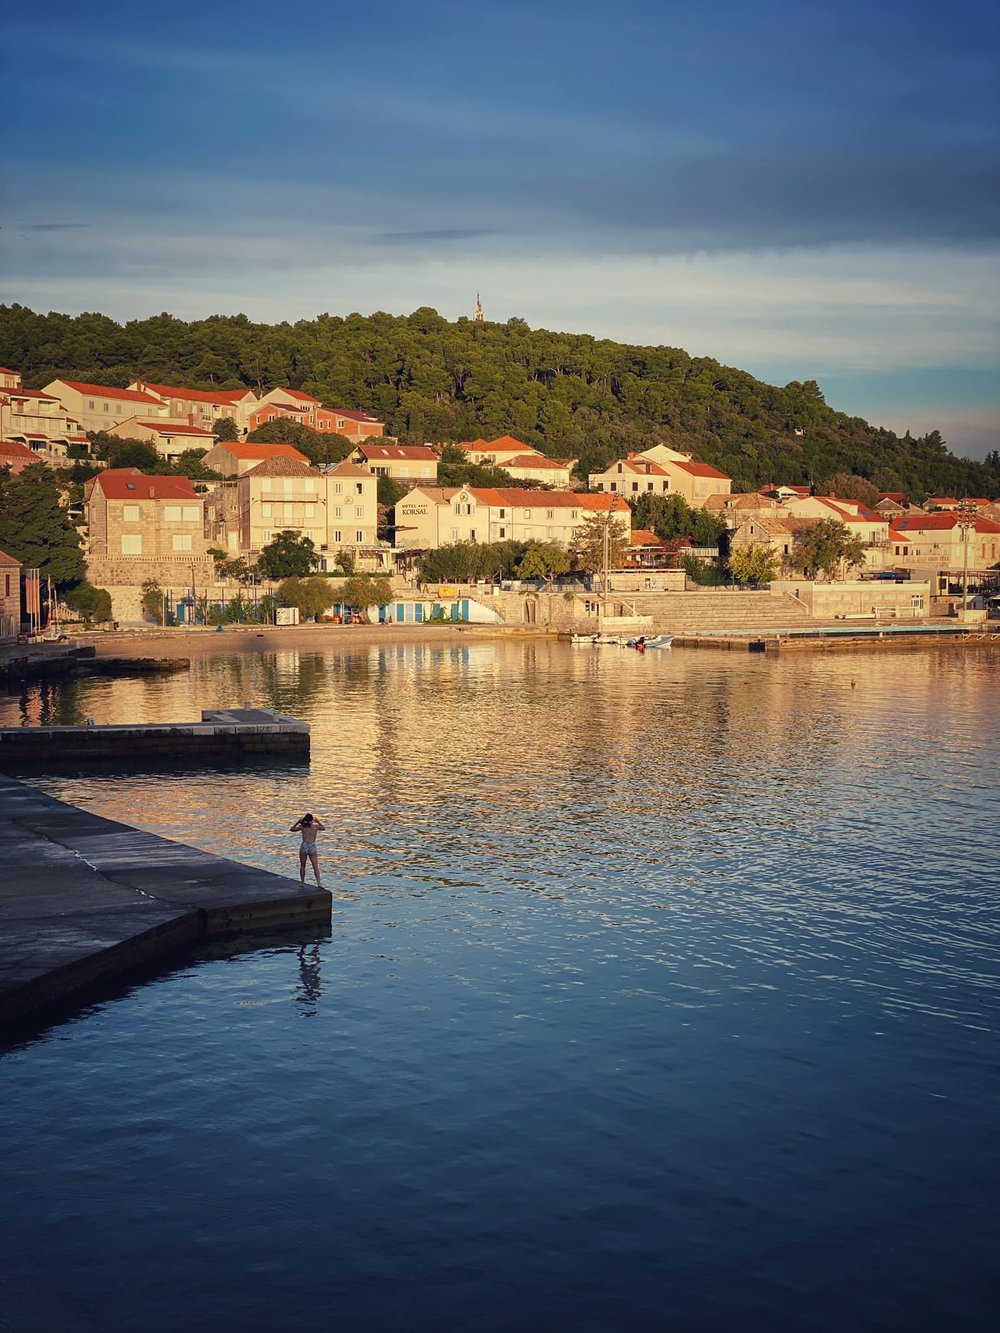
128, 483
106, 391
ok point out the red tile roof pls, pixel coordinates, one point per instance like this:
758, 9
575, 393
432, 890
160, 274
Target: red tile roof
537, 460
195, 395
299, 396
165, 427
351, 415
106, 391
11, 449
700, 470
6, 559
128, 483
31, 393
398, 451
518, 497
239, 449
939, 523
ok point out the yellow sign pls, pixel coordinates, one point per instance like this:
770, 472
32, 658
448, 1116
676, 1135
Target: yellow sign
446, 592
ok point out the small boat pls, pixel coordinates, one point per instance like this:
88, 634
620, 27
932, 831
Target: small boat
600, 640
654, 641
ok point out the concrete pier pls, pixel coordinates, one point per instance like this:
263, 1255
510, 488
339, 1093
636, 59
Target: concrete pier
84, 900
235, 733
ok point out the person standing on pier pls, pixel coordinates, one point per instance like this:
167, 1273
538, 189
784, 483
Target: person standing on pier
309, 828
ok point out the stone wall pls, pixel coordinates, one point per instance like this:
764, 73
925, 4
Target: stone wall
875, 598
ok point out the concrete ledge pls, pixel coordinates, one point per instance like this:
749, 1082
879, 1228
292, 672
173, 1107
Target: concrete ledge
218, 734
84, 900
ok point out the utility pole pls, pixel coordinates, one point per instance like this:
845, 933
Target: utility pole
966, 520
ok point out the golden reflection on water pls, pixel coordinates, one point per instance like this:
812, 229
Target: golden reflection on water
522, 740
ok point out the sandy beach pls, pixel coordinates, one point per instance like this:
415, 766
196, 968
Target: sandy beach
181, 642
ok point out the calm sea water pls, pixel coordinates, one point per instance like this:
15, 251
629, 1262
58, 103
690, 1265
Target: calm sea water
662, 992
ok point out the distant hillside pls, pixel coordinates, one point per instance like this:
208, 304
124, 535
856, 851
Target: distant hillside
569, 394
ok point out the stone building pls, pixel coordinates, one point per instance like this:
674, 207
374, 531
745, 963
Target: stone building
142, 527
432, 516
169, 438
231, 458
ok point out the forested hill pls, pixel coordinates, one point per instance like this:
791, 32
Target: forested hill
569, 394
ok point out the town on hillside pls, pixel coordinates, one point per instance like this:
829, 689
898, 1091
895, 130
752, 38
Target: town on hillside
188, 506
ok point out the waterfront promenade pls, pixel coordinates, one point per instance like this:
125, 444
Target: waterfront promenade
84, 900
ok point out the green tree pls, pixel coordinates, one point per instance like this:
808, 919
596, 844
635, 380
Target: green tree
753, 566
602, 537
93, 604
825, 547
35, 528
312, 595
316, 447
389, 491
346, 562
225, 428
287, 556
363, 591
849, 486
152, 601
543, 560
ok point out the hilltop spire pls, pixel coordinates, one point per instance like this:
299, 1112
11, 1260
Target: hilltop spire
478, 317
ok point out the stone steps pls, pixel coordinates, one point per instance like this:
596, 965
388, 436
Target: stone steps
689, 612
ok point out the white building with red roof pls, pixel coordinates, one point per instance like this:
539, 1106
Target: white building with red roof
661, 470
170, 439
942, 542
101, 406
201, 407
522, 461
38, 421
16, 456
432, 516
406, 463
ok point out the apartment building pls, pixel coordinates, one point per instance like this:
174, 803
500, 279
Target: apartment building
100, 407
337, 510
201, 407
522, 461
37, 420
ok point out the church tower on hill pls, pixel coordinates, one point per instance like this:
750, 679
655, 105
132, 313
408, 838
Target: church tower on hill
478, 317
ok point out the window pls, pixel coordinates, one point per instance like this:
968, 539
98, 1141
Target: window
614, 485
171, 513
310, 486
338, 536
359, 512
288, 486
90, 405
635, 486
310, 511
527, 513
289, 512
454, 534
338, 511
181, 541
107, 410
337, 488
360, 536
359, 488
265, 483
550, 513
649, 485
503, 532
265, 511
130, 513
503, 513
574, 513
192, 513
340, 423
131, 543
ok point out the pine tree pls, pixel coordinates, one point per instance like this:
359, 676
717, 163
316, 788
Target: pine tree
35, 528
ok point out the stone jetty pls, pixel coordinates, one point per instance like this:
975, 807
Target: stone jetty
84, 900
234, 733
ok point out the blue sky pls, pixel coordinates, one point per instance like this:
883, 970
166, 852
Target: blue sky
808, 191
